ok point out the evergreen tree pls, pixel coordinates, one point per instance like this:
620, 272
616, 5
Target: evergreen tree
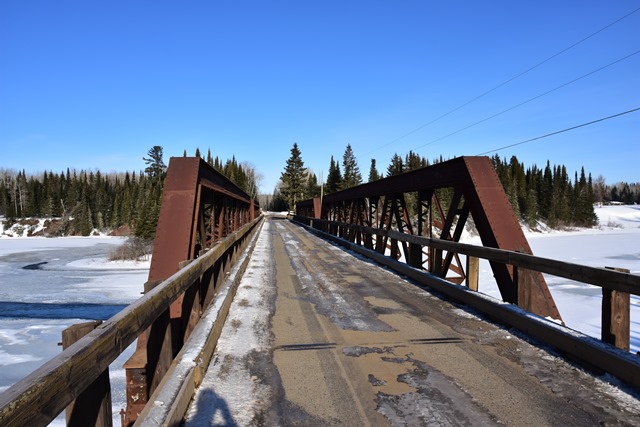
412, 161
396, 167
334, 178
155, 165
313, 189
293, 178
351, 171
374, 175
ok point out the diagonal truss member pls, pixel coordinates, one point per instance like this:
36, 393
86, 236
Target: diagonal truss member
438, 202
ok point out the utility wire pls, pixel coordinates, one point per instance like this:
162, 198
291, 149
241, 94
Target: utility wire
560, 131
529, 100
506, 82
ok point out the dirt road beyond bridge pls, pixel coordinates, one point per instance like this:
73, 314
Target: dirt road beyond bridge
319, 337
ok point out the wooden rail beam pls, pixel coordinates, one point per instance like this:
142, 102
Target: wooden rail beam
39, 397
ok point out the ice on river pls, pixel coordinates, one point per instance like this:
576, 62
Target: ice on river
49, 284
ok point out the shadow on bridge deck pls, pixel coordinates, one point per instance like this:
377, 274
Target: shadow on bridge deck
318, 336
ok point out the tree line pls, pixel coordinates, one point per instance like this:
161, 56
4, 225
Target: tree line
548, 194
86, 200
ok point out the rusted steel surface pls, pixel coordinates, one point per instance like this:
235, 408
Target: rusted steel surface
199, 207
437, 201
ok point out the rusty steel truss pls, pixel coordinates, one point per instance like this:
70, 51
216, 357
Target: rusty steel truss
438, 202
199, 207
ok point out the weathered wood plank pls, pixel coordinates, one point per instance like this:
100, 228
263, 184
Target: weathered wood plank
600, 277
93, 406
616, 319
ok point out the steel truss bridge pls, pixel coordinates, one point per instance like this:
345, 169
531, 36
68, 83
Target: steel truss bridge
411, 223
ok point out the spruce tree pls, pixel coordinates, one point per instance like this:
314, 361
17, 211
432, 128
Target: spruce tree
155, 165
374, 175
351, 171
293, 178
396, 166
334, 178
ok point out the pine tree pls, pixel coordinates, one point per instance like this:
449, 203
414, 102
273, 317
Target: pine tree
312, 187
334, 178
412, 161
155, 165
396, 166
374, 175
293, 178
352, 175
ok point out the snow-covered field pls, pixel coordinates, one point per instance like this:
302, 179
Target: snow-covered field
77, 274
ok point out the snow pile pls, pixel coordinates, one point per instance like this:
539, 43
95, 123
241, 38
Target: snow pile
611, 217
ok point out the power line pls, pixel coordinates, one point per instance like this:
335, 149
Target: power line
507, 81
529, 100
560, 131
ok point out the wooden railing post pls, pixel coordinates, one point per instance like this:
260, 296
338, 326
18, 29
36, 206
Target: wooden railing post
616, 320
93, 406
473, 272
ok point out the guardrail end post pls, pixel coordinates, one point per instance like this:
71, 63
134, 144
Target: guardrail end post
473, 272
616, 306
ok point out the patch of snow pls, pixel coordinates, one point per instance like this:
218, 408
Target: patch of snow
244, 338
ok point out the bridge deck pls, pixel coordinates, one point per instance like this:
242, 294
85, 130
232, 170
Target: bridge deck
316, 336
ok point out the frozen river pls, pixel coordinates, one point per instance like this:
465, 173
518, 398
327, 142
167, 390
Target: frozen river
47, 285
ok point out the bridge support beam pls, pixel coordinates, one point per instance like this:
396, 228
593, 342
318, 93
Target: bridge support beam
438, 201
199, 207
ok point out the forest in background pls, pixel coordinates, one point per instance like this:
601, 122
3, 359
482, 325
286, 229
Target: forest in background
549, 194
129, 202
81, 201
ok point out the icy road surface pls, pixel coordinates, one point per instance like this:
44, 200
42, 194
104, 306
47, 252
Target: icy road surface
318, 337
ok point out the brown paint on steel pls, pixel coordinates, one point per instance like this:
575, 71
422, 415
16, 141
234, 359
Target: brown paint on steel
189, 184
495, 220
499, 228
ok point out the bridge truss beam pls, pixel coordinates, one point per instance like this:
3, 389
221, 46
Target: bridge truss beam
199, 207
438, 201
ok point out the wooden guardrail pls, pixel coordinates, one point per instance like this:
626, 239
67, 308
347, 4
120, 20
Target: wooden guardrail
616, 286
38, 398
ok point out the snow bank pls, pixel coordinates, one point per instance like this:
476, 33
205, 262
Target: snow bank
611, 217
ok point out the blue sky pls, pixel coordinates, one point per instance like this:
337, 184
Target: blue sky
94, 85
